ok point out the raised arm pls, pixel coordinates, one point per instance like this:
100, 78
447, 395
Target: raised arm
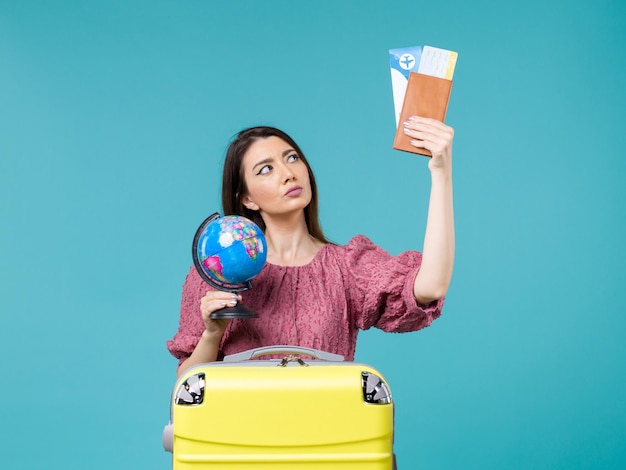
435, 274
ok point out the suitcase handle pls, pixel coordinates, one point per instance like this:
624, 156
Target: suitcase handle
283, 349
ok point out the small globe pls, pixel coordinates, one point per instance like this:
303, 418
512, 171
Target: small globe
229, 251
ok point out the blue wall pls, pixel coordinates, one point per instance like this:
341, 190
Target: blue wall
114, 118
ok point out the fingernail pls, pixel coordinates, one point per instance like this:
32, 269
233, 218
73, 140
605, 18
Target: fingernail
412, 118
232, 302
406, 123
406, 131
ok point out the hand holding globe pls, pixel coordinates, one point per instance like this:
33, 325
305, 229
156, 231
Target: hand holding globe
228, 252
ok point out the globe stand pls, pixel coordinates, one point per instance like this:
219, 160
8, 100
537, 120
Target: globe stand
239, 310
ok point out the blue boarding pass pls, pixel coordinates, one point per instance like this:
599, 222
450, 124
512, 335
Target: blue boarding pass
427, 60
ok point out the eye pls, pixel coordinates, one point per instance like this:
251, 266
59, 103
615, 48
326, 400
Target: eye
294, 157
264, 170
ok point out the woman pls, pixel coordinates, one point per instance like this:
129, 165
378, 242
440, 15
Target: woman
311, 292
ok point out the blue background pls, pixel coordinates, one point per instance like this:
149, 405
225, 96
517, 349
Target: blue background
114, 118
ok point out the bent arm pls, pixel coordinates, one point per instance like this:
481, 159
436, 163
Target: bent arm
205, 351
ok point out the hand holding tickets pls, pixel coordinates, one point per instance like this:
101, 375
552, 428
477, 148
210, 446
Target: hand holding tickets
422, 81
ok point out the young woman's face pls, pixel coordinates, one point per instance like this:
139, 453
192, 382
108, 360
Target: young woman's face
276, 177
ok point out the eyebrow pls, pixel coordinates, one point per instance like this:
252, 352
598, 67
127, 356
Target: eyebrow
270, 159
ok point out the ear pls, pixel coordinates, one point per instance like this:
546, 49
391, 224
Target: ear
249, 203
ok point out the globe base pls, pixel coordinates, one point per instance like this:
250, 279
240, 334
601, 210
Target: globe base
239, 311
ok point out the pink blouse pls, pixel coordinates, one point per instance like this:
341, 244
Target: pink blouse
320, 305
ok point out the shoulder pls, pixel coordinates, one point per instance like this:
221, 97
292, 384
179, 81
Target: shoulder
360, 251
357, 248
193, 278
355, 243
194, 285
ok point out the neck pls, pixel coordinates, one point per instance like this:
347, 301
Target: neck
289, 242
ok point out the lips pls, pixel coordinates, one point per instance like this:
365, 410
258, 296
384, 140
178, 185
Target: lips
294, 191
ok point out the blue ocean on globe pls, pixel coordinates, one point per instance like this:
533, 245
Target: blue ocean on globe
232, 250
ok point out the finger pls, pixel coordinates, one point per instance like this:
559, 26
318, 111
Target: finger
427, 138
216, 304
435, 138
427, 121
435, 146
428, 125
418, 134
220, 295
207, 307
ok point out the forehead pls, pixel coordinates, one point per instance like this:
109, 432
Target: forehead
265, 148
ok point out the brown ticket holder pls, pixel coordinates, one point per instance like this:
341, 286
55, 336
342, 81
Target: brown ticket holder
426, 96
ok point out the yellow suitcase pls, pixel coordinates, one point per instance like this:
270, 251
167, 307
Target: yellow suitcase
285, 413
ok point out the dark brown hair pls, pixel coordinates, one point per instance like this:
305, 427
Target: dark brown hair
234, 184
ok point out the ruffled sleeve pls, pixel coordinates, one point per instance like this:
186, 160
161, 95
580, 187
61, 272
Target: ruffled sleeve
380, 292
191, 326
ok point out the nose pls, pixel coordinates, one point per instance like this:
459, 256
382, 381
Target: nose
288, 175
